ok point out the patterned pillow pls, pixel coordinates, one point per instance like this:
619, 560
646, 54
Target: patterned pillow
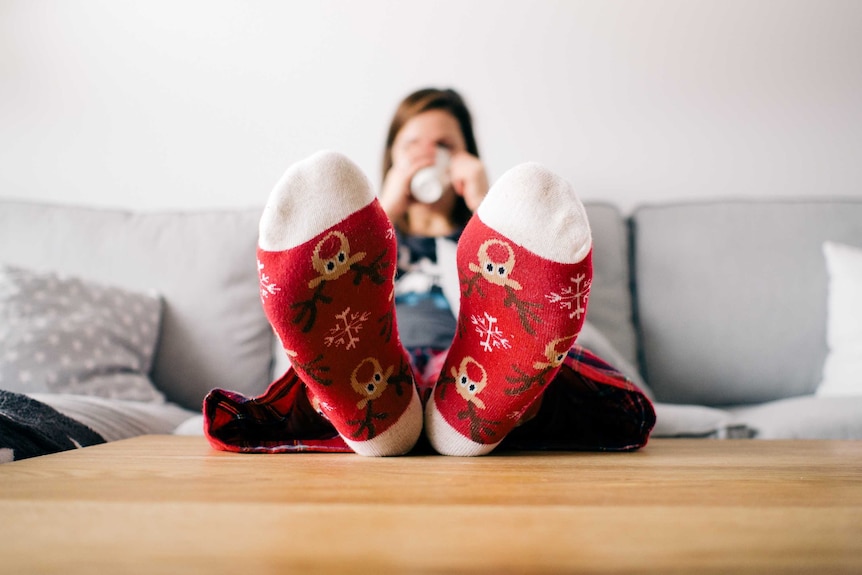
67, 335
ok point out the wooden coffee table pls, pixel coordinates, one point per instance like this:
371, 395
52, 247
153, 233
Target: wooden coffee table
160, 504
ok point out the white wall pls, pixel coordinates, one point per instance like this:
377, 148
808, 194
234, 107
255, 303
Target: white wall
169, 104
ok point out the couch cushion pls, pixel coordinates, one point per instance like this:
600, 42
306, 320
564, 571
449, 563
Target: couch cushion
116, 419
213, 331
731, 296
610, 304
697, 421
805, 417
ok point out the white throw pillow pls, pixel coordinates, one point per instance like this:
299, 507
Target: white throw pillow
842, 372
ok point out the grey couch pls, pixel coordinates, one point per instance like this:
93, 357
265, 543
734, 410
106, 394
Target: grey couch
717, 309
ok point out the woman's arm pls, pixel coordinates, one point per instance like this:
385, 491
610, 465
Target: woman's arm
395, 195
469, 179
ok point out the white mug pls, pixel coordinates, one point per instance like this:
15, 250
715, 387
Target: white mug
428, 184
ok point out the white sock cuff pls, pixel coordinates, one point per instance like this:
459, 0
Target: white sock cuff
540, 211
312, 196
398, 439
446, 440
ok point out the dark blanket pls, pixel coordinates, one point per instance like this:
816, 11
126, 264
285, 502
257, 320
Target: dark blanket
588, 406
29, 428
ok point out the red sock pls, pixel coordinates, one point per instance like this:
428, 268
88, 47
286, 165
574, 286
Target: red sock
326, 260
525, 267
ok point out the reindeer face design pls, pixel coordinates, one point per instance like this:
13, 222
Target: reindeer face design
332, 258
496, 261
555, 353
470, 379
369, 380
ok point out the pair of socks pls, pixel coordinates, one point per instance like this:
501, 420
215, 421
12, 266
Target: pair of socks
326, 261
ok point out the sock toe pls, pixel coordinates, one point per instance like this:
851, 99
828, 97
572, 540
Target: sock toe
540, 211
312, 196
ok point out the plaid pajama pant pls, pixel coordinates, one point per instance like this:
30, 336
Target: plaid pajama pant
588, 406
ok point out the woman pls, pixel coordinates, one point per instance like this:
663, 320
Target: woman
426, 121
507, 371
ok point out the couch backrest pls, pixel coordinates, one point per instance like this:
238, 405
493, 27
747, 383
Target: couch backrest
704, 336
731, 296
610, 303
214, 332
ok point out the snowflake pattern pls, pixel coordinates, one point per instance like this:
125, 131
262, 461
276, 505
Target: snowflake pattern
573, 297
345, 333
267, 286
487, 328
517, 414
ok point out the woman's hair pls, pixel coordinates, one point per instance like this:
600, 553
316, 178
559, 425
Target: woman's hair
424, 100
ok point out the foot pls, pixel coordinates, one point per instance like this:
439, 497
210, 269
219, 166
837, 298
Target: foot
326, 260
525, 268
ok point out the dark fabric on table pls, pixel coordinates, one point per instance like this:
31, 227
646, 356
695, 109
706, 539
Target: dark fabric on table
280, 420
587, 406
30, 428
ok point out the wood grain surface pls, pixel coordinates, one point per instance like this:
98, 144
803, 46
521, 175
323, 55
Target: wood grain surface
163, 504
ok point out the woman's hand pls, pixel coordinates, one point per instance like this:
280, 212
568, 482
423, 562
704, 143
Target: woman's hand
395, 195
468, 178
